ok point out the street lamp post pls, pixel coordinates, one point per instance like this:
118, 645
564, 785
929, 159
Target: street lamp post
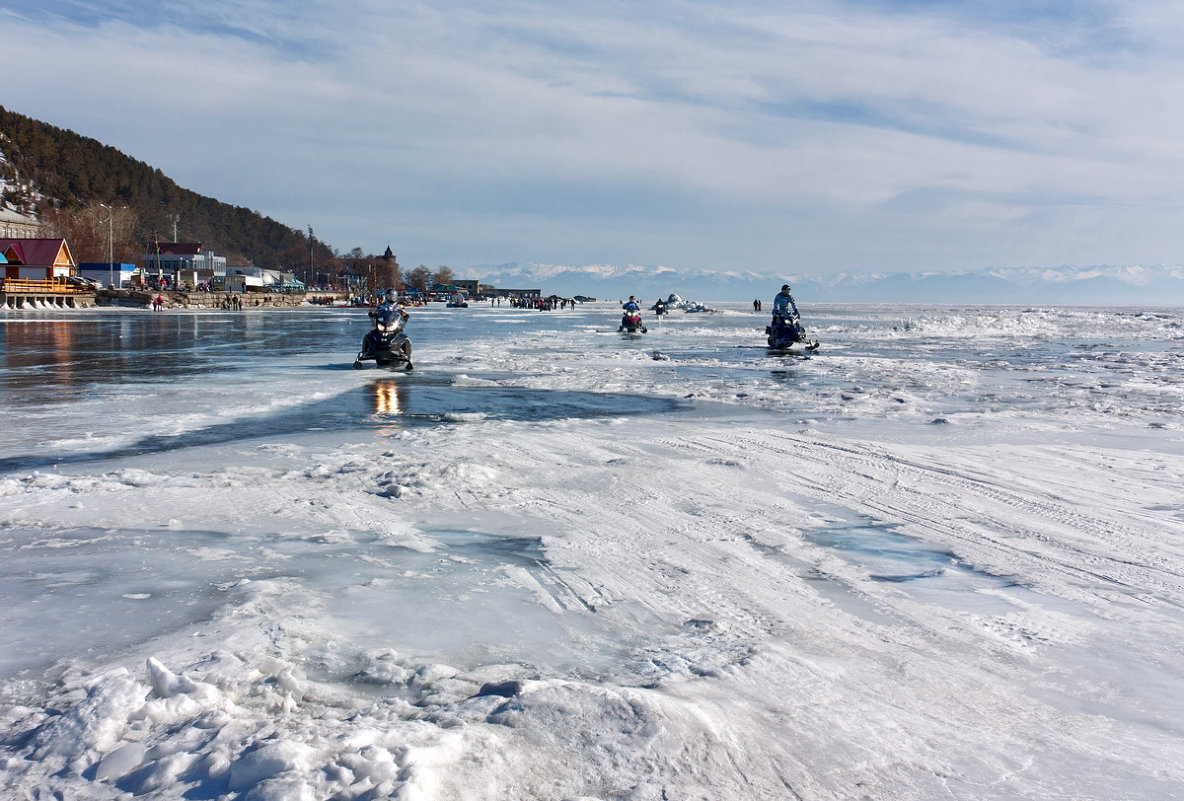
110, 245
312, 270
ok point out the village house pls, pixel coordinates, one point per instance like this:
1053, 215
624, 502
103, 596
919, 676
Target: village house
40, 273
37, 259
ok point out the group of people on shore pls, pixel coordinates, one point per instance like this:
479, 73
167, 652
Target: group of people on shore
229, 302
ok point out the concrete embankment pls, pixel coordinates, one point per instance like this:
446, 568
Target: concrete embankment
46, 300
141, 299
135, 298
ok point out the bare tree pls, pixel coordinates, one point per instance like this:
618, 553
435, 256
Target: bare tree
95, 230
420, 278
443, 275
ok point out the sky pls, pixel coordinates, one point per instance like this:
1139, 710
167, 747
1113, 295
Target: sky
817, 137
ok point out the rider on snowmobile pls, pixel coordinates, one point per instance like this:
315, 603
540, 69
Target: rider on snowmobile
631, 316
390, 312
786, 329
386, 343
783, 303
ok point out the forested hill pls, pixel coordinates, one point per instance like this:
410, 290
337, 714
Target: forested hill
68, 172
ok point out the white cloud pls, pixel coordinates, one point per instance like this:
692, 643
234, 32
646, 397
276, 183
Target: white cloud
673, 133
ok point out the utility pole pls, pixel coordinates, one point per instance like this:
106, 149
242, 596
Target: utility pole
110, 245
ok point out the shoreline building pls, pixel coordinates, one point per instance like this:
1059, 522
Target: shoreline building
14, 225
117, 274
185, 262
262, 279
37, 259
39, 273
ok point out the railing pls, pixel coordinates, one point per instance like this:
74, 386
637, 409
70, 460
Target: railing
39, 285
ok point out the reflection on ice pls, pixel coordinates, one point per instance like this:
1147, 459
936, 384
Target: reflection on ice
386, 398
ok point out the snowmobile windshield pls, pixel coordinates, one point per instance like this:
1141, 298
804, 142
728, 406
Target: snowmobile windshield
387, 316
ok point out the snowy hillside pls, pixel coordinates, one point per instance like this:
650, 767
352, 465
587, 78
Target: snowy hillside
16, 196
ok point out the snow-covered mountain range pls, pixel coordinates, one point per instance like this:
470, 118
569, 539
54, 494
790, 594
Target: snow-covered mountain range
1101, 285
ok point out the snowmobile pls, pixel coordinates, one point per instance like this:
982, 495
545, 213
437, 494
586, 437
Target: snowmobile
785, 332
386, 344
631, 322
660, 308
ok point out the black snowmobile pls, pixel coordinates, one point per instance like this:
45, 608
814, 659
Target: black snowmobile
785, 332
386, 344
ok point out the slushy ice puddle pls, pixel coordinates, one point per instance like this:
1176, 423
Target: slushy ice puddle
925, 571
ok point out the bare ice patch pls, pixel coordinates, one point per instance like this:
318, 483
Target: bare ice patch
405, 402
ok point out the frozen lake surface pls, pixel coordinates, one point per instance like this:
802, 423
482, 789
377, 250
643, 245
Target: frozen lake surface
943, 557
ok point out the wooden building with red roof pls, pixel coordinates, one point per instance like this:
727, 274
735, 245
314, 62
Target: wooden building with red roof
41, 273
37, 259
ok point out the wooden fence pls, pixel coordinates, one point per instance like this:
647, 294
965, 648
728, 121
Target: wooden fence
41, 286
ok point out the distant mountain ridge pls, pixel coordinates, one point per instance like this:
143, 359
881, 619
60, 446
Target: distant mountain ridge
1097, 285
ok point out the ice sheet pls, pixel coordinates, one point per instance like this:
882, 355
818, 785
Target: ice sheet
941, 558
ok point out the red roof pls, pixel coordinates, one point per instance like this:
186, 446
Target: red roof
179, 248
36, 252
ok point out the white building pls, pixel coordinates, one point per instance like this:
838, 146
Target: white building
104, 273
261, 278
186, 262
14, 225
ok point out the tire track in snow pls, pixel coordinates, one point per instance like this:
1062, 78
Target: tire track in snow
964, 504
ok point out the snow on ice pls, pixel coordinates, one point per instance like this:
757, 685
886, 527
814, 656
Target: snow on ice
941, 558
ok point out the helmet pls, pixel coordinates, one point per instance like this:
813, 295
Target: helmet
785, 287
632, 297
